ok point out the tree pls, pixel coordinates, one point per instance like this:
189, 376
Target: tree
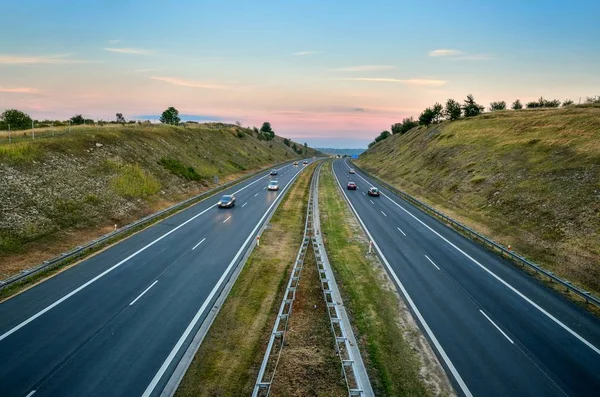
567, 102
170, 116
17, 119
406, 125
517, 105
452, 110
77, 120
438, 112
286, 142
305, 148
500, 105
120, 118
267, 130
472, 108
593, 99
382, 136
426, 118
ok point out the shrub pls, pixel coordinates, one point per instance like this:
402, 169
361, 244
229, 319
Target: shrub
500, 105
517, 105
179, 169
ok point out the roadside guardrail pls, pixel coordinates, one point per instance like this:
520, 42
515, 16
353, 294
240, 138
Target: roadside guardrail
81, 250
476, 236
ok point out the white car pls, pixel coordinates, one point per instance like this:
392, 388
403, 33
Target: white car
273, 185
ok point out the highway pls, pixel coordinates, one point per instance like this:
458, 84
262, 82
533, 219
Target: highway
118, 323
496, 330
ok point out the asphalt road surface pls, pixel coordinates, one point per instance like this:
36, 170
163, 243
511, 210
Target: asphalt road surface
118, 323
498, 331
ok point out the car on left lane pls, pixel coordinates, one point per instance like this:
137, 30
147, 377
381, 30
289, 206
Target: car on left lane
227, 201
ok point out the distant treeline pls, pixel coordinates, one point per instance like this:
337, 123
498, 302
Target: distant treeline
453, 110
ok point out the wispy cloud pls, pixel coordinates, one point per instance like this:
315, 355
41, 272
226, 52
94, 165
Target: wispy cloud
457, 55
19, 90
421, 82
474, 57
135, 51
303, 53
444, 53
187, 83
364, 68
8, 59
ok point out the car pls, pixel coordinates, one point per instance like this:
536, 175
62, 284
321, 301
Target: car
273, 172
227, 201
295, 163
352, 171
305, 162
351, 186
373, 191
273, 185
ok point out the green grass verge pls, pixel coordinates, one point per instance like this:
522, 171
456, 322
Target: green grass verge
228, 360
374, 309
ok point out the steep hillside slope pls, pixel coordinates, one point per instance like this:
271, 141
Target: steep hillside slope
59, 191
528, 178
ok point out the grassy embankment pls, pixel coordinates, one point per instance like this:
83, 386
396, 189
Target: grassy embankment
529, 179
228, 360
59, 192
398, 359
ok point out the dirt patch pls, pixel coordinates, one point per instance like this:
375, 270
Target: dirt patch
309, 365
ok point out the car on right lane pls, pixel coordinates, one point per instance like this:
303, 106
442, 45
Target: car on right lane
273, 185
373, 191
351, 185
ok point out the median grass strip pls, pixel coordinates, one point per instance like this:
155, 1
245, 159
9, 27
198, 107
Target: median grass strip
398, 357
309, 365
228, 360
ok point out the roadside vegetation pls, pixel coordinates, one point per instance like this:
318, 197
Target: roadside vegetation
529, 179
229, 358
398, 358
66, 188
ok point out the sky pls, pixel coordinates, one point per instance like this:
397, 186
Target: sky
330, 73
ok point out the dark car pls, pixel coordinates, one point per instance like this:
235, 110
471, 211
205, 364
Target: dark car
373, 191
305, 162
273, 172
351, 186
227, 201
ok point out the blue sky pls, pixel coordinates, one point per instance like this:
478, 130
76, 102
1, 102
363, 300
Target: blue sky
330, 73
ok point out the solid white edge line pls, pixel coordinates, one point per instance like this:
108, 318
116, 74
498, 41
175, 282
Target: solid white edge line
140, 295
228, 218
104, 273
498, 328
31, 393
196, 318
384, 214
432, 262
201, 241
400, 230
513, 289
424, 324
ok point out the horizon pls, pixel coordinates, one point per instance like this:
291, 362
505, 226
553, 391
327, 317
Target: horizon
334, 82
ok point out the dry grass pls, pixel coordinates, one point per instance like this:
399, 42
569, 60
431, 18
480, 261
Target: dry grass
228, 360
529, 178
398, 358
309, 365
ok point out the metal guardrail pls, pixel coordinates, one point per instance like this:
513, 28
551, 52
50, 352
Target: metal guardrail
353, 367
268, 367
80, 250
586, 295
